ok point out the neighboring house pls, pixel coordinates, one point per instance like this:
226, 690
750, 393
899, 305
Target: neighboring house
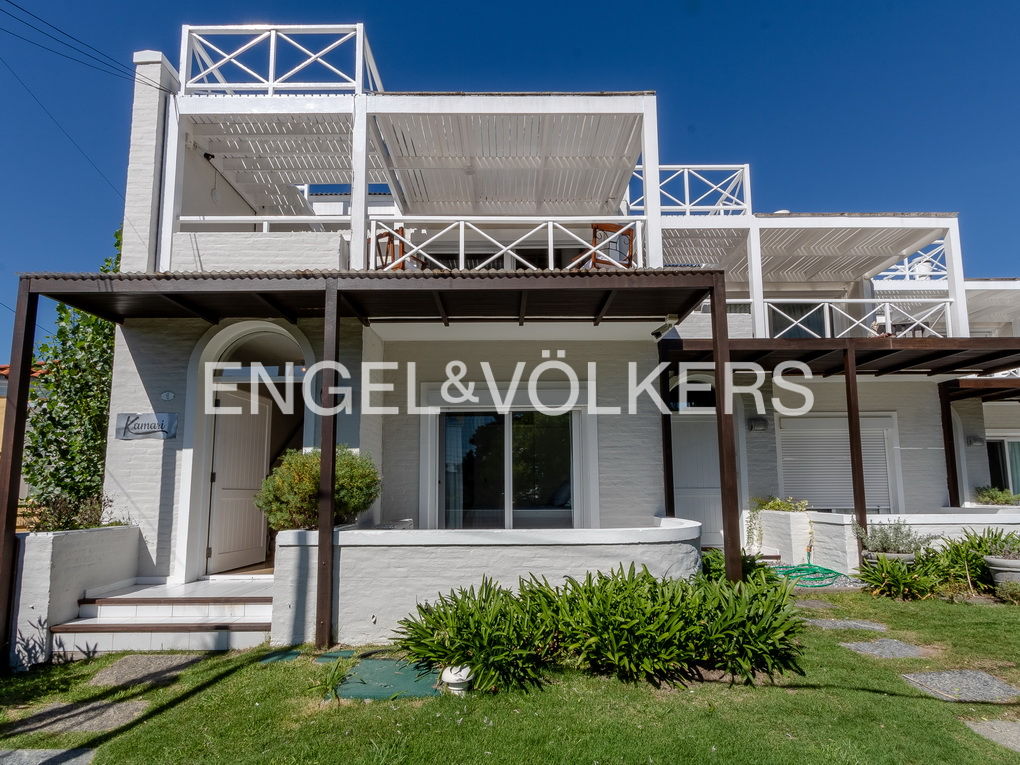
285, 208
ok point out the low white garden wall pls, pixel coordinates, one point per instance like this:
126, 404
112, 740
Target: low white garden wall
834, 546
383, 574
54, 570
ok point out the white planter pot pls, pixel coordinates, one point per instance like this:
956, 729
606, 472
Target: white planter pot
457, 679
1003, 569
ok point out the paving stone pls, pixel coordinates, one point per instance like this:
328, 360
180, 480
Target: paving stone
79, 717
813, 603
963, 685
46, 756
847, 624
1001, 732
144, 668
331, 656
887, 649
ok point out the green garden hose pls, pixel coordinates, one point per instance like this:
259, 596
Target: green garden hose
808, 575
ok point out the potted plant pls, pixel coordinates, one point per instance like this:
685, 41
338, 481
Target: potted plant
290, 494
1004, 563
894, 541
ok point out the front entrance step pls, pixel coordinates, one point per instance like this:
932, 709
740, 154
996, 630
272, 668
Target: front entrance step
253, 608
93, 635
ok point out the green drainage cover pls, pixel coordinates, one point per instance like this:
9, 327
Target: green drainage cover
331, 656
275, 656
387, 679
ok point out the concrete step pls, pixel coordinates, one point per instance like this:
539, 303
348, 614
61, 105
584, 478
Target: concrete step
252, 608
94, 635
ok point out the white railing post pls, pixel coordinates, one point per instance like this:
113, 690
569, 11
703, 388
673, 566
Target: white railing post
827, 319
756, 282
639, 243
957, 288
550, 243
359, 59
748, 210
272, 61
373, 236
687, 191
359, 183
887, 311
461, 247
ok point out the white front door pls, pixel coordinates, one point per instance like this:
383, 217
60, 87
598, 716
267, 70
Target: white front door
237, 529
696, 490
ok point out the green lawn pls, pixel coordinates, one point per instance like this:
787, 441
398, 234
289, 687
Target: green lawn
848, 709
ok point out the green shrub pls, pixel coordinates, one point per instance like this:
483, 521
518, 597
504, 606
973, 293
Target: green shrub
290, 494
748, 628
630, 624
487, 629
896, 579
895, 537
57, 513
788, 505
1008, 592
961, 561
713, 567
992, 495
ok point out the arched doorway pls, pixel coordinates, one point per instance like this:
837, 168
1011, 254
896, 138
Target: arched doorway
250, 433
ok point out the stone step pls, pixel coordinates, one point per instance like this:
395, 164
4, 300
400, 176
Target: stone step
93, 635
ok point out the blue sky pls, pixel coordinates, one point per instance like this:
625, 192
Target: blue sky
838, 106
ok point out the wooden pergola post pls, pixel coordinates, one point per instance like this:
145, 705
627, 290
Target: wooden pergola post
853, 421
667, 441
725, 434
324, 591
16, 416
949, 446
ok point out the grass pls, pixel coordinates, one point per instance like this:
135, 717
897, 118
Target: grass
848, 708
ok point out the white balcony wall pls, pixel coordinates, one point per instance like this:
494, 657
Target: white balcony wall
207, 192
258, 250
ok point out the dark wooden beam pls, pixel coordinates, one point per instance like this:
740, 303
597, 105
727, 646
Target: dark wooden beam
949, 446
1013, 363
853, 417
725, 435
917, 361
1003, 395
953, 366
15, 418
437, 298
355, 308
522, 308
667, 444
276, 307
604, 307
324, 592
189, 306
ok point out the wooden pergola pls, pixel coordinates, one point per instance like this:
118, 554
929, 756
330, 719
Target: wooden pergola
597, 296
880, 356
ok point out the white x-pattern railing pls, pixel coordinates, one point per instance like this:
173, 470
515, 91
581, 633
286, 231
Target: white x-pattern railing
698, 190
253, 61
497, 242
927, 264
858, 318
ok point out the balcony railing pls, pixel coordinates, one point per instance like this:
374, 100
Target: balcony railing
698, 190
267, 60
926, 265
510, 243
851, 317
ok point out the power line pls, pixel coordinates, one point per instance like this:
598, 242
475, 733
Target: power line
40, 326
109, 59
84, 63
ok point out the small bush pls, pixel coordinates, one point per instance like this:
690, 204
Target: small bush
290, 494
631, 625
961, 561
64, 514
713, 567
992, 495
486, 629
895, 537
895, 579
748, 628
788, 505
1008, 592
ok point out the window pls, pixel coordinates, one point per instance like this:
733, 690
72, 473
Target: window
506, 471
1004, 464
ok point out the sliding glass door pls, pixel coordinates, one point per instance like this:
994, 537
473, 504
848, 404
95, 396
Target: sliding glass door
506, 471
1004, 464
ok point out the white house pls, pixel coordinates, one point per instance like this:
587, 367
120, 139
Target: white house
282, 207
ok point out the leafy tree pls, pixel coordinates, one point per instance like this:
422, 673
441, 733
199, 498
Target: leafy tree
65, 450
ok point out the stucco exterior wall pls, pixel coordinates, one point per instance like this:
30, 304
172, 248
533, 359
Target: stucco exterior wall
629, 446
1002, 416
55, 569
410, 567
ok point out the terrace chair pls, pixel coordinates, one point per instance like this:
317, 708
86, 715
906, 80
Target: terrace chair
390, 248
614, 251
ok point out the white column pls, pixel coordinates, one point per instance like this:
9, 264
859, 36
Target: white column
359, 184
142, 191
650, 161
756, 282
959, 319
